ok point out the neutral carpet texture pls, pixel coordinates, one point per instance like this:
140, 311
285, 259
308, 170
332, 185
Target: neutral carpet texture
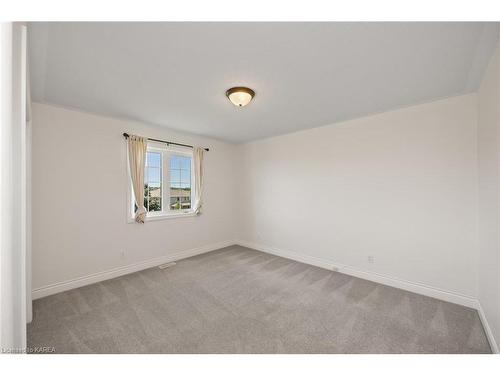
238, 300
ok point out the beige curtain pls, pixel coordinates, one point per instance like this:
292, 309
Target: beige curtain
198, 178
136, 162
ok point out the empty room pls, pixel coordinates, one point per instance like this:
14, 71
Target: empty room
251, 188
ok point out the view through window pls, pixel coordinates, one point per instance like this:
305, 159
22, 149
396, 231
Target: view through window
180, 182
152, 182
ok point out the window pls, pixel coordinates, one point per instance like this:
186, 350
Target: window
152, 182
180, 182
168, 182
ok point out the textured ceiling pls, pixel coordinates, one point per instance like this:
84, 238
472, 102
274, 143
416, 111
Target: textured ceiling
304, 74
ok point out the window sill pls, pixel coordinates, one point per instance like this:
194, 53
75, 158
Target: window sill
165, 216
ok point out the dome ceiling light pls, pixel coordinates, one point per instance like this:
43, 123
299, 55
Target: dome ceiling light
240, 96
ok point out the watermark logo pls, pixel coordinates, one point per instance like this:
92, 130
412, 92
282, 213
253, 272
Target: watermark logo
30, 350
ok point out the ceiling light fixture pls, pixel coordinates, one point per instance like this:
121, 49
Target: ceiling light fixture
240, 96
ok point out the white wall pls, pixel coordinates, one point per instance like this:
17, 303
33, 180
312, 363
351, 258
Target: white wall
79, 192
489, 190
399, 186
12, 186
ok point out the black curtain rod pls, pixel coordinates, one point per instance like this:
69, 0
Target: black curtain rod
167, 142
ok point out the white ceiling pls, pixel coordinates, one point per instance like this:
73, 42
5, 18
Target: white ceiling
304, 74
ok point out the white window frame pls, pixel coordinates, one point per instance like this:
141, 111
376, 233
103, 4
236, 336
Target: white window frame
166, 213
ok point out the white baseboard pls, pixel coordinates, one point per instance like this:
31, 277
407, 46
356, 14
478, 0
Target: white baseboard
487, 329
120, 271
410, 286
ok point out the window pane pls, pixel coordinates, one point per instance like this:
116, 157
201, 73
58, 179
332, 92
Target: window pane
186, 163
180, 182
154, 192
185, 176
152, 182
175, 176
153, 159
175, 162
154, 174
175, 203
180, 198
154, 204
175, 192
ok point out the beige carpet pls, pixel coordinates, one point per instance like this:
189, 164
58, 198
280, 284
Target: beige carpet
238, 300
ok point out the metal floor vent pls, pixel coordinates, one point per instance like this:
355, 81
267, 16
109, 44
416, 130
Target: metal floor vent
166, 265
